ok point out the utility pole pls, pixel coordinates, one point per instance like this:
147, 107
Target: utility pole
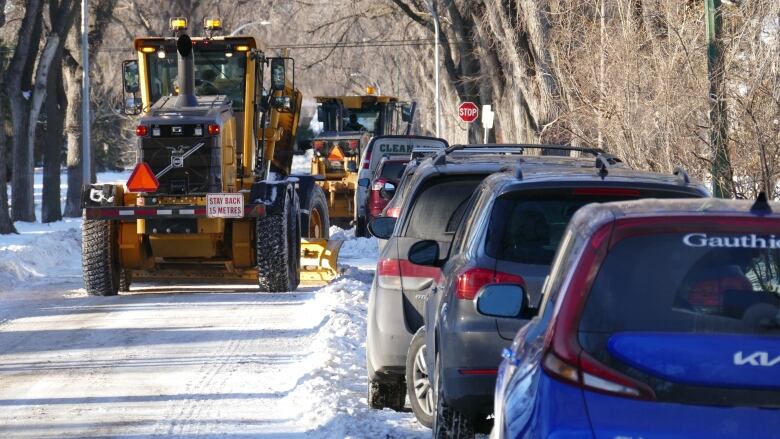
86, 160
721, 166
435, 16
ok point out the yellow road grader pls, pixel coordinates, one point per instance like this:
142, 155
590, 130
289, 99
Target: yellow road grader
349, 123
212, 195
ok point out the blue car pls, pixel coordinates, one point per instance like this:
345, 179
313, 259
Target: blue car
660, 318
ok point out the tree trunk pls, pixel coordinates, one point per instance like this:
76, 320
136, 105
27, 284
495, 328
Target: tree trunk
73, 81
102, 15
6, 225
18, 84
51, 209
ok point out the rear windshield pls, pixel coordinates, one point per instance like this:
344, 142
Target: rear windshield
527, 226
438, 208
687, 282
392, 171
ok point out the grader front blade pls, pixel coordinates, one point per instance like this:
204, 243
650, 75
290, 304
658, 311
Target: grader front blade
319, 260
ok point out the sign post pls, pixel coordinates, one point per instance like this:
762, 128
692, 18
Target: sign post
487, 121
468, 112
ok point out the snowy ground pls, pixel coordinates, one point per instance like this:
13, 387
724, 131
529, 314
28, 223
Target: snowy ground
181, 360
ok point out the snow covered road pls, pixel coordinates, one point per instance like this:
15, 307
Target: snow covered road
183, 360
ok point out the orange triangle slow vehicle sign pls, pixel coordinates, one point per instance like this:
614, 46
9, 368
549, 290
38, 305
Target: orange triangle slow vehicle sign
142, 179
336, 154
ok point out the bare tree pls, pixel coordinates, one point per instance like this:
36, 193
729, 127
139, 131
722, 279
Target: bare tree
61, 16
72, 68
18, 89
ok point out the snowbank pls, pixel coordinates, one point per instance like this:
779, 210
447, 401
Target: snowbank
40, 251
330, 397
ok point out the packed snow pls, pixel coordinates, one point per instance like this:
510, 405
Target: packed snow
180, 359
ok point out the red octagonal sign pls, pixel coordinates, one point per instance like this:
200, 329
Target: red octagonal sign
468, 112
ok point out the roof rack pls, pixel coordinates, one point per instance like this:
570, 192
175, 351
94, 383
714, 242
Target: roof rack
681, 175
522, 146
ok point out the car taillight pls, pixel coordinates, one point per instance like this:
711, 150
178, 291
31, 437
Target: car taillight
394, 212
470, 281
379, 183
388, 274
213, 129
563, 356
367, 159
141, 130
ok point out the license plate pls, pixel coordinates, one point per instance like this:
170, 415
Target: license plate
225, 205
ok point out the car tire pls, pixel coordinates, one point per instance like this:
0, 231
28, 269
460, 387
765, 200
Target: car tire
448, 423
386, 394
418, 384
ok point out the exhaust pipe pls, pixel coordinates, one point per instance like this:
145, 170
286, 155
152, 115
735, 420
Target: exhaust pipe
186, 76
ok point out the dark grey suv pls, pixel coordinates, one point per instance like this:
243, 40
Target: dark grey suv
510, 231
430, 202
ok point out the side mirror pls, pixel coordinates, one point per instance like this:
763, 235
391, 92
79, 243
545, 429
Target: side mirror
132, 106
382, 227
407, 112
388, 191
502, 300
278, 74
425, 253
364, 182
130, 81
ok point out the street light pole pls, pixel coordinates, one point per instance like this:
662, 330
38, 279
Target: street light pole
435, 16
718, 113
86, 158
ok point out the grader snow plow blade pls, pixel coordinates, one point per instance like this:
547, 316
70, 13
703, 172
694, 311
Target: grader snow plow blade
319, 258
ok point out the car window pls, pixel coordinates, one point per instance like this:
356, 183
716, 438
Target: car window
702, 289
435, 210
526, 226
467, 219
392, 171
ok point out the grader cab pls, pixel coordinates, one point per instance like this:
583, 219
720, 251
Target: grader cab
212, 195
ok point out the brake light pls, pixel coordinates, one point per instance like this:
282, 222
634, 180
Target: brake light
379, 183
352, 145
318, 145
470, 281
563, 356
367, 159
213, 129
141, 130
388, 274
607, 191
395, 212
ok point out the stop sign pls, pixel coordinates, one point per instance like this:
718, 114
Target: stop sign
468, 112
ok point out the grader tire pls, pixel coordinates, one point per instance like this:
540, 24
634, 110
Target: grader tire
319, 222
99, 258
277, 250
125, 279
